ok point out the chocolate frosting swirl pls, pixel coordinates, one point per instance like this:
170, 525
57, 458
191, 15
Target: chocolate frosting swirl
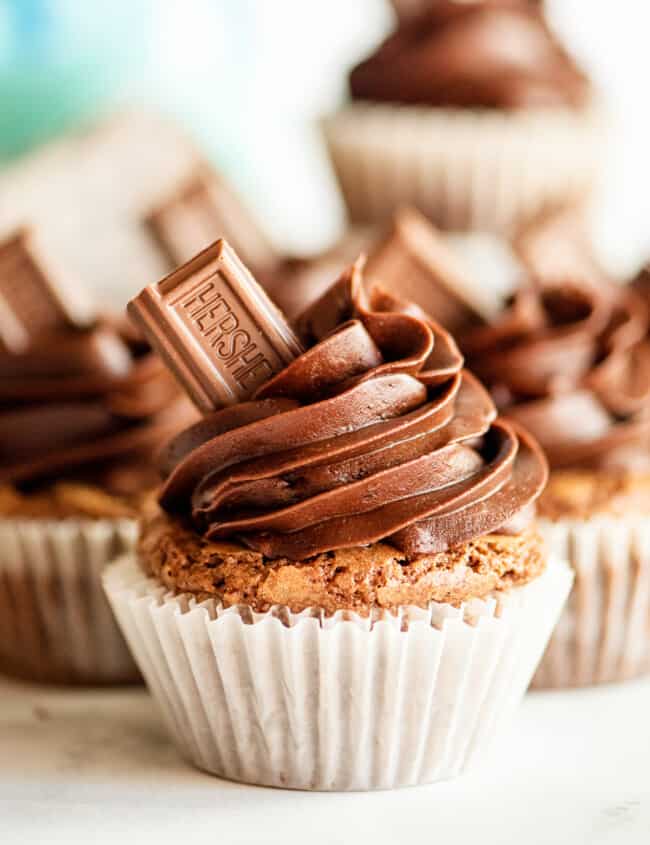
571, 363
374, 433
86, 404
488, 53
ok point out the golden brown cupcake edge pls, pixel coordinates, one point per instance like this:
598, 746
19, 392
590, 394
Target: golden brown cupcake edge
583, 494
358, 579
67, 500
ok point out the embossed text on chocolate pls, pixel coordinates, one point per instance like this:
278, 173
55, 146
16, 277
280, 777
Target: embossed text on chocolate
215, 320
215, 328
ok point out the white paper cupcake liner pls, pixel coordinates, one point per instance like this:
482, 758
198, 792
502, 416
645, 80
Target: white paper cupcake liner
604, 633
464, 168
55, 623
340, 703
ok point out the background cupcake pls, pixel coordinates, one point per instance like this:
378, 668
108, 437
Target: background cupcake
571, 362
345, 589
82, 411
473, 112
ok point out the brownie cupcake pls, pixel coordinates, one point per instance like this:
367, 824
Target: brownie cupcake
82, 411
473, 112
571, 362
343, 587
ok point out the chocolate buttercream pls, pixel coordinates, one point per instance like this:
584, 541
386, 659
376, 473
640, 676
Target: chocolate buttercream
490, 53
572, 363
374, 433
87, 405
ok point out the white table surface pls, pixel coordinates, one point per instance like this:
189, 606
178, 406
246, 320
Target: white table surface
96, 766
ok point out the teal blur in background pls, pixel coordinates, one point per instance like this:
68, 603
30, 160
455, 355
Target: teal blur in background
247, 78
63, 62
59, 61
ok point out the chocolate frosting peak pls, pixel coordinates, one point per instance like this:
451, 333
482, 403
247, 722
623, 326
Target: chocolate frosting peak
571, 362
374, 433
79, 403
488, 53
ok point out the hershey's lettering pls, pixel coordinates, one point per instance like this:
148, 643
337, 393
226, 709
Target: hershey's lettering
208, 310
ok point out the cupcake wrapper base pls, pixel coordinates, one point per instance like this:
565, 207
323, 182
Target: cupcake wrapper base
604, 633
465, 169
55, 623
305, 701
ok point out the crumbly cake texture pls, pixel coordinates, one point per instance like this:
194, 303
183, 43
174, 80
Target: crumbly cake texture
67, 500
358, 579
582, 494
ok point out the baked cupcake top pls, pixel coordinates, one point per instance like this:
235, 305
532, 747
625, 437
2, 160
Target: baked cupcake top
484, 54
82, 412
358, 578
571, 362
374, 434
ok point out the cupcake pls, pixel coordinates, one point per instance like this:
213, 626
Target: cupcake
473, 112
342, 587
82, 411
571, 362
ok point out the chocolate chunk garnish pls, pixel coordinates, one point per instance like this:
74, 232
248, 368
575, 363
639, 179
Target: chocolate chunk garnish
414, 263
215, 328
32, 299
203, 209
557, 246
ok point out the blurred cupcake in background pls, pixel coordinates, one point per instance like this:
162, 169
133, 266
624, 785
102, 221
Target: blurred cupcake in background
471, 111
84, 405
566, 355
570, 360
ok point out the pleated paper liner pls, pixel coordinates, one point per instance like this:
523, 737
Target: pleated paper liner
55, 623
305, 701
604, 633
466, 169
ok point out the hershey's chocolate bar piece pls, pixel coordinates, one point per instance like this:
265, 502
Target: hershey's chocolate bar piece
32, 301
203, 209
556, 246
215, 328
414, 263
